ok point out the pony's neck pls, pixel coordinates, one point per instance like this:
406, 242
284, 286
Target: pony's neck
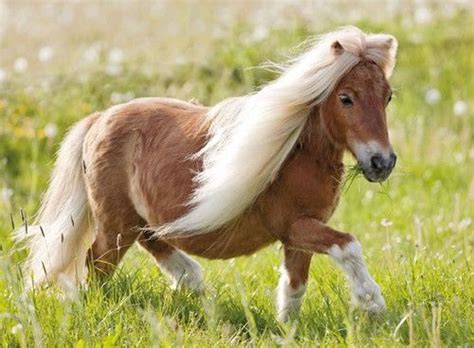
318, 144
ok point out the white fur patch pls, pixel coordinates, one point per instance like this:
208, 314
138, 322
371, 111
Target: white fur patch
288, 299
364, 151
182, 270
365, 291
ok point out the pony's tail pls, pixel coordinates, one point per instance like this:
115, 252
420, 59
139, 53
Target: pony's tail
59, 240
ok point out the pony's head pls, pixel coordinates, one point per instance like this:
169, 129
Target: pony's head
354, 115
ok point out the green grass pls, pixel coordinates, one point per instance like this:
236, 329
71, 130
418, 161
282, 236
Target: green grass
416, 230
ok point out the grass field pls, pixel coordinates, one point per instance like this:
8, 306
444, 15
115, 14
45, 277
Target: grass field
416, 230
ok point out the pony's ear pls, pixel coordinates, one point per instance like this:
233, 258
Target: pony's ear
389, 42
337, 48
383, 47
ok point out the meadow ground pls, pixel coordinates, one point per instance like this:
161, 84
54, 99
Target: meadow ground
60, 62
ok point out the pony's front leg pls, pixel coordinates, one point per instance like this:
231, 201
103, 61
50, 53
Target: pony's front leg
292, 284
313, 235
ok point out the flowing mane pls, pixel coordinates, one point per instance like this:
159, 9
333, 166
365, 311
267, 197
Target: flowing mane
250, 137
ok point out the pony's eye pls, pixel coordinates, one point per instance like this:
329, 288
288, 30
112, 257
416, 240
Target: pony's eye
346, 101
389, 98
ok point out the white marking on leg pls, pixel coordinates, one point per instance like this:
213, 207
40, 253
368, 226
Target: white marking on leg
365, 291
182, 270
288, 298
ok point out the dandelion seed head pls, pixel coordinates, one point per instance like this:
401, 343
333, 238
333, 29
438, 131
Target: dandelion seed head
91, 54
17, 328
369, 194
465, 223
6, 194
460, 108
45, 54
3, 75
115, 56
260, 33
20, 65
51, 130
423, 15
432, 96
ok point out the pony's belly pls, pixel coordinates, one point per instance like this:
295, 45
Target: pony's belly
225, 244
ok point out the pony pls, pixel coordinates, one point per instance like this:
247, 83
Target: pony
224, 181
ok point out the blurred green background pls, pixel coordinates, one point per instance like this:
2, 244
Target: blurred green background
60, 61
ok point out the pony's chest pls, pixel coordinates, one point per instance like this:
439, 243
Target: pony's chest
316, 195
306, 188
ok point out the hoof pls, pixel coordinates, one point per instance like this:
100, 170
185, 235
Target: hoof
191, 282
369, 298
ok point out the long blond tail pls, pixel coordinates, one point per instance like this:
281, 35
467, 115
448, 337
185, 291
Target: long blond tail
60, 238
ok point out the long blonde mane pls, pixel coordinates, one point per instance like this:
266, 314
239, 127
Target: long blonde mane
250, 137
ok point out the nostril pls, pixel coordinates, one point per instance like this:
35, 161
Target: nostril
377, 162
393, 160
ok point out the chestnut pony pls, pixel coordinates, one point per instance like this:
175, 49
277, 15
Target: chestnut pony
227, 180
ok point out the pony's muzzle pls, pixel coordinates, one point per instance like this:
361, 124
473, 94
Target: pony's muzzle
378, 167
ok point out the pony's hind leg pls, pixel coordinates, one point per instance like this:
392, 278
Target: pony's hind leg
109, 247
115, 234
180, 268
117, 225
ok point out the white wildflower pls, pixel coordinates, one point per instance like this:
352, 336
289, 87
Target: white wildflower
260, 33
45, 54
369, 195
115, 56
3, 75
418, 221
6, 194
465, 223
20, 65
50, 130
91, 54
423, 15
386, 223
17, 328
460, 108
432, 96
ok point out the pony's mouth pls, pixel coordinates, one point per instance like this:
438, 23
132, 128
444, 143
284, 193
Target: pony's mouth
377, 168
375, 176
